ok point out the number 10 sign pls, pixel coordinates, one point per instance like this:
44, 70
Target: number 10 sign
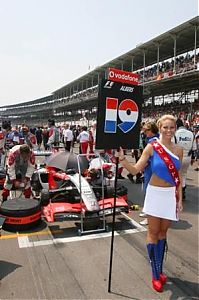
118, 115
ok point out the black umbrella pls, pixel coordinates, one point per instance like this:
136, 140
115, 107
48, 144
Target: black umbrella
67, 160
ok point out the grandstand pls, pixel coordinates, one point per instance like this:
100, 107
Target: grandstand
169, 73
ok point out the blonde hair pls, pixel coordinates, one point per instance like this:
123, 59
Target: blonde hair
165, 117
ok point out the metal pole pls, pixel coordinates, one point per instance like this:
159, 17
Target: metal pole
158, 59
98, 78
132, 64
174, 67
153, 101
113, 226
88, 116
195, 44
144, 62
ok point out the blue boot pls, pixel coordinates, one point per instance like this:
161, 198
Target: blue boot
153, 256
161, 245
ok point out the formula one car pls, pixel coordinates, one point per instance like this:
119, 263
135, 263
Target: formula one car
69, 188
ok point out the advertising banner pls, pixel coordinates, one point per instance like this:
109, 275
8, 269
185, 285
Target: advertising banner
123, 76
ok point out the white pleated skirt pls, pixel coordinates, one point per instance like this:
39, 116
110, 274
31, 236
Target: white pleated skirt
160, 202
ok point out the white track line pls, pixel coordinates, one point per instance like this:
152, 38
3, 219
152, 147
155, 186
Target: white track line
24, 241
135, 224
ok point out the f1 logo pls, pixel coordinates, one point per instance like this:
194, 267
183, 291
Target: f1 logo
127, 112
109, 84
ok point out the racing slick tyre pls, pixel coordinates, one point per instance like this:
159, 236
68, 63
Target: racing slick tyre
21, 214
121, 191
109, 191
45, 197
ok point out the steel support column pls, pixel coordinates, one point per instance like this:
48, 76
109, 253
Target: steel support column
174, 54
158, 58
132, 64
144, 65
195, 45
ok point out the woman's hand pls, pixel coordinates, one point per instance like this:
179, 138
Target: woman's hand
180, 206
120, 154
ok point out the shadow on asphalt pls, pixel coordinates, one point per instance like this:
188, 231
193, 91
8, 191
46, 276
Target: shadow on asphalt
7, 268
190, 289
71, 230
181, 224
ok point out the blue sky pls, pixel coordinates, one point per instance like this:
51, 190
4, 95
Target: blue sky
45, 44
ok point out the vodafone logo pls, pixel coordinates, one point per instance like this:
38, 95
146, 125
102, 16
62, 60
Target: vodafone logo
123, 76
112, 74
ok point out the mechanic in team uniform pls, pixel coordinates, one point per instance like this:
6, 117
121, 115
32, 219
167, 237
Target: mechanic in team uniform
83, 139
21, 165
26, 137
185, 138
53, 135
6, 127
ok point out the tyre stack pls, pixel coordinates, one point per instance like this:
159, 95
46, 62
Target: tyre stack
21, 214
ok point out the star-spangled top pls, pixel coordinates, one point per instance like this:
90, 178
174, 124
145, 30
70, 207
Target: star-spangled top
168, 162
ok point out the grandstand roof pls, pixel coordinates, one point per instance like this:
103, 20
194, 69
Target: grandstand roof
185, 37
33, 102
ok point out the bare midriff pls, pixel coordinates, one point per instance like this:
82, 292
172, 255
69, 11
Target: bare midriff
157, 181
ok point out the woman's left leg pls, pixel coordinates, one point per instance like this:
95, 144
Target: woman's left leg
161, 246
152, 239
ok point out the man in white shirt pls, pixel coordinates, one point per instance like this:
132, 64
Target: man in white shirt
68, 137
83, 139
185, 138
53, 135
